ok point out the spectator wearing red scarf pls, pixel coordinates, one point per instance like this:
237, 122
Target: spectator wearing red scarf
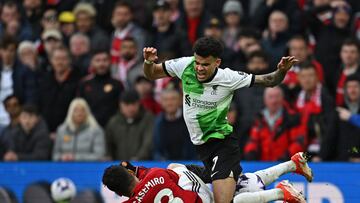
350, 55
315, 106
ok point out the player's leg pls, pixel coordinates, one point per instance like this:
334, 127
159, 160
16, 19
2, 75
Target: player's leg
297, 164
283, 191
224, 167
224, 190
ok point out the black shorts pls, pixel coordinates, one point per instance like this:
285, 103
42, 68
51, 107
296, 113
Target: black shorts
221, 157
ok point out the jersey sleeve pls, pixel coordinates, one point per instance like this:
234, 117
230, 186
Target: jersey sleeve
237, 79
175, 67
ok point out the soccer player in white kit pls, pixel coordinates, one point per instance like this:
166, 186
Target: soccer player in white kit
208, 91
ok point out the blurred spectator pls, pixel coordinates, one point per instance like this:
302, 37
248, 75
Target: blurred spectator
51, 39
246, 43
79, 138
145, 89
67, 25
175, 10
15, 79
80, 52
30, 139
289, 8
85, 15
171, 137
316, 107
343, 140
300, 48
169, 41
58, 88
277, 133
49, 20
12, 23
33, 10
99, 89
249, 101
232, 13
124, 27
334, 31
350, 56
130, 65
194, 19
13, 108
213, 29
129, 133
276, 36
28, 56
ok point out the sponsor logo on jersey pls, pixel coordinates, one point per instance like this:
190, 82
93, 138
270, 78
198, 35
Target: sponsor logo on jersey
213, 92
187, 100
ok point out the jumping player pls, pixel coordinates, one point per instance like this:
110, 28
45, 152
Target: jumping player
208, 91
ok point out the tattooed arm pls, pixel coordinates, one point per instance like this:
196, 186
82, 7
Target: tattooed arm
276, 77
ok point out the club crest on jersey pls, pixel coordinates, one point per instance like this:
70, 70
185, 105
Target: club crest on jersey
214, 89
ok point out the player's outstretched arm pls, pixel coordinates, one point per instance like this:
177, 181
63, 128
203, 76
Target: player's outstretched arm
276, 77
152, 70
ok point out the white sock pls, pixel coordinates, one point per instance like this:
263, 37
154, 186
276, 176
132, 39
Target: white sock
259, 197
271, 174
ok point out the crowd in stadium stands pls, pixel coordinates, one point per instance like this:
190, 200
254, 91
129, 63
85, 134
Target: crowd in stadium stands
72, 86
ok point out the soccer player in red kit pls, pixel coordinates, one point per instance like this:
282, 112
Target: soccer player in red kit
178, 185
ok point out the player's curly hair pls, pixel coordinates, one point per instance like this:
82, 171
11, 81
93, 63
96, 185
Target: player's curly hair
118, 180
208, 46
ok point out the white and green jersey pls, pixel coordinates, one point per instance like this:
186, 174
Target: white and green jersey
206, 104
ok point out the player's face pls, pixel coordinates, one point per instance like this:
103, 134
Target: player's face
353, 90
205, 66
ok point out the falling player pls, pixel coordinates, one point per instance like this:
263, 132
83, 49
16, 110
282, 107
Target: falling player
180, 183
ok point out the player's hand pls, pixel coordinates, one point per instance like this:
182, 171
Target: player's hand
286, 63
131, 168
150, 54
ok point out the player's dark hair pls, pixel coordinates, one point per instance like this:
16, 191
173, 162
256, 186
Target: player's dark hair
208, 46
118, 180
300, 37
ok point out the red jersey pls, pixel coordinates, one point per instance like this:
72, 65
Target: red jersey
161, 185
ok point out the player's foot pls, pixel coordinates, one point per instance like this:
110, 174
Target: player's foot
291, 195
300, 159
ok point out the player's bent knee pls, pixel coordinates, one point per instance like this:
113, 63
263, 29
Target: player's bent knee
175, 165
